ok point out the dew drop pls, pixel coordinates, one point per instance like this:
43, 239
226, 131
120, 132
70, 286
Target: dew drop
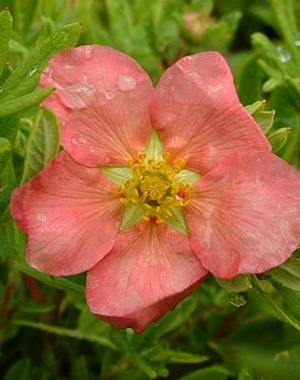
68, 67
107, 160
74, 140
88, 50
81, 139
237, 299
32, 71
126, 82
284, 54
108, 95
41, 217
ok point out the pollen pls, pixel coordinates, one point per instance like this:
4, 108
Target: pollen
154, 187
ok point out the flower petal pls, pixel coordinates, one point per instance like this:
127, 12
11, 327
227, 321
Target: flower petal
150, 269
198, 115
71, 215
244, 215
102, 98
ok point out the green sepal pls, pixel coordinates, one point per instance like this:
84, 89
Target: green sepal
279, 138
155, 148
264, 119
256, 107
118, 174
132, 215
187, 176
43, 144
240, 283
177, 220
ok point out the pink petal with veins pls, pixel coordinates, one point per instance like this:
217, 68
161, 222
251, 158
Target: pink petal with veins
148, 272
198, 115
244, 216
71, 215
102, 99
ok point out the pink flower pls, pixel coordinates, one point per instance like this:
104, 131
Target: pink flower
149, 217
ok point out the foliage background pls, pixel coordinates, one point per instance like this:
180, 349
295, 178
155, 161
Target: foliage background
245, 329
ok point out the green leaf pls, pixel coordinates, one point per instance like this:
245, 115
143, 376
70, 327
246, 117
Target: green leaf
244, 375
170, 322
9, 128
20, 370
287, 115
279, 138
182, 357
285, 11
281, 312
43, 144
80, 368
21, 103
267, 50
291, 300
56, 282
5, 149
29, 12
250, 82
72, 333
5, 195
37, 308
120, 19
26, 77
288, 274
5, 31
122, 339
212, 373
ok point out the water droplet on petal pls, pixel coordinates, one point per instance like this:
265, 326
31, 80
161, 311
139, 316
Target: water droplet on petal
284, 54
126, 82
74, 140
108, 95
41, 217
81, 139
32, 71
83, 87
88, 49
297, 39
107, 160
237, 299
68, 67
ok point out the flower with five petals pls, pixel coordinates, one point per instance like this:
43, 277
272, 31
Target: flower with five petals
155, 187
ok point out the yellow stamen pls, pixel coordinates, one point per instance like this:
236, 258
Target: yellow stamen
154, 187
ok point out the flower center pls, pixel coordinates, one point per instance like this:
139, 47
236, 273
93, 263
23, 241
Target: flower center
155, 188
